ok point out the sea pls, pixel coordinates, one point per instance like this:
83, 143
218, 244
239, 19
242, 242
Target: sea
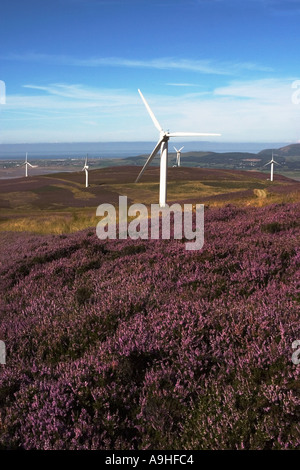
62, 151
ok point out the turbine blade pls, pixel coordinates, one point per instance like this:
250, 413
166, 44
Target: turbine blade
187, 134
29, 164
180, 149
155, 121
268, 163
175, 149
150, 158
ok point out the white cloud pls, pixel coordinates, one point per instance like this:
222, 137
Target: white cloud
260, 110
64, 98
205, 66
270, 90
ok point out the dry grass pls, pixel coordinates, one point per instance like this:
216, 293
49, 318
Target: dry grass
60, 204
20, 199
78, 193
147, 193
47, 222
50, 222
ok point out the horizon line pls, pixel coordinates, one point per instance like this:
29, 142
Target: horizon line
145, 141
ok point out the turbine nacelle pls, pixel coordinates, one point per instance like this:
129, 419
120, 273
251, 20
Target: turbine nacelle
272, 161
86, 166
164, 136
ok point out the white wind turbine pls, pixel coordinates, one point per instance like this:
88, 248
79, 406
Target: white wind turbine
178, 153
271, 162
27, 164
162, 144
86, 169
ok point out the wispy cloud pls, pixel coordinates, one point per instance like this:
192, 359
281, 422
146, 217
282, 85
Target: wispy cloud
258, 110
265, 90
80, 95
206, 66
182, 84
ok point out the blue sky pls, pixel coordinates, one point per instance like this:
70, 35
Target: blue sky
72, 69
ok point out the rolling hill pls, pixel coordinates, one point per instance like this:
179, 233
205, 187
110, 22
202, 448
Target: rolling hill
60, 202
292, 150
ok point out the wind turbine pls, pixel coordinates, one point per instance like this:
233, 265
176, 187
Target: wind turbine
178, 155
271, 162
27, 164
86, 168
162, 144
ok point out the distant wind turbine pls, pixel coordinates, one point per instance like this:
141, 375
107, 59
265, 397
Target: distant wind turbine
271, 162
27, 164
178, 152
86, 169
162, 144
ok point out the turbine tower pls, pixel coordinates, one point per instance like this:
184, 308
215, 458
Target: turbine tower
27, 164
162, 144
86, 169
178, 155
271, 162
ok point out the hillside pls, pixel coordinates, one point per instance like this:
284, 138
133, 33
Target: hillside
144, 345
208, 158
292, 150
60, 203
141, 344
288, 157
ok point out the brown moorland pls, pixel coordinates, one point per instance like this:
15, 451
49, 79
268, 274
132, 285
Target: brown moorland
60, 202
